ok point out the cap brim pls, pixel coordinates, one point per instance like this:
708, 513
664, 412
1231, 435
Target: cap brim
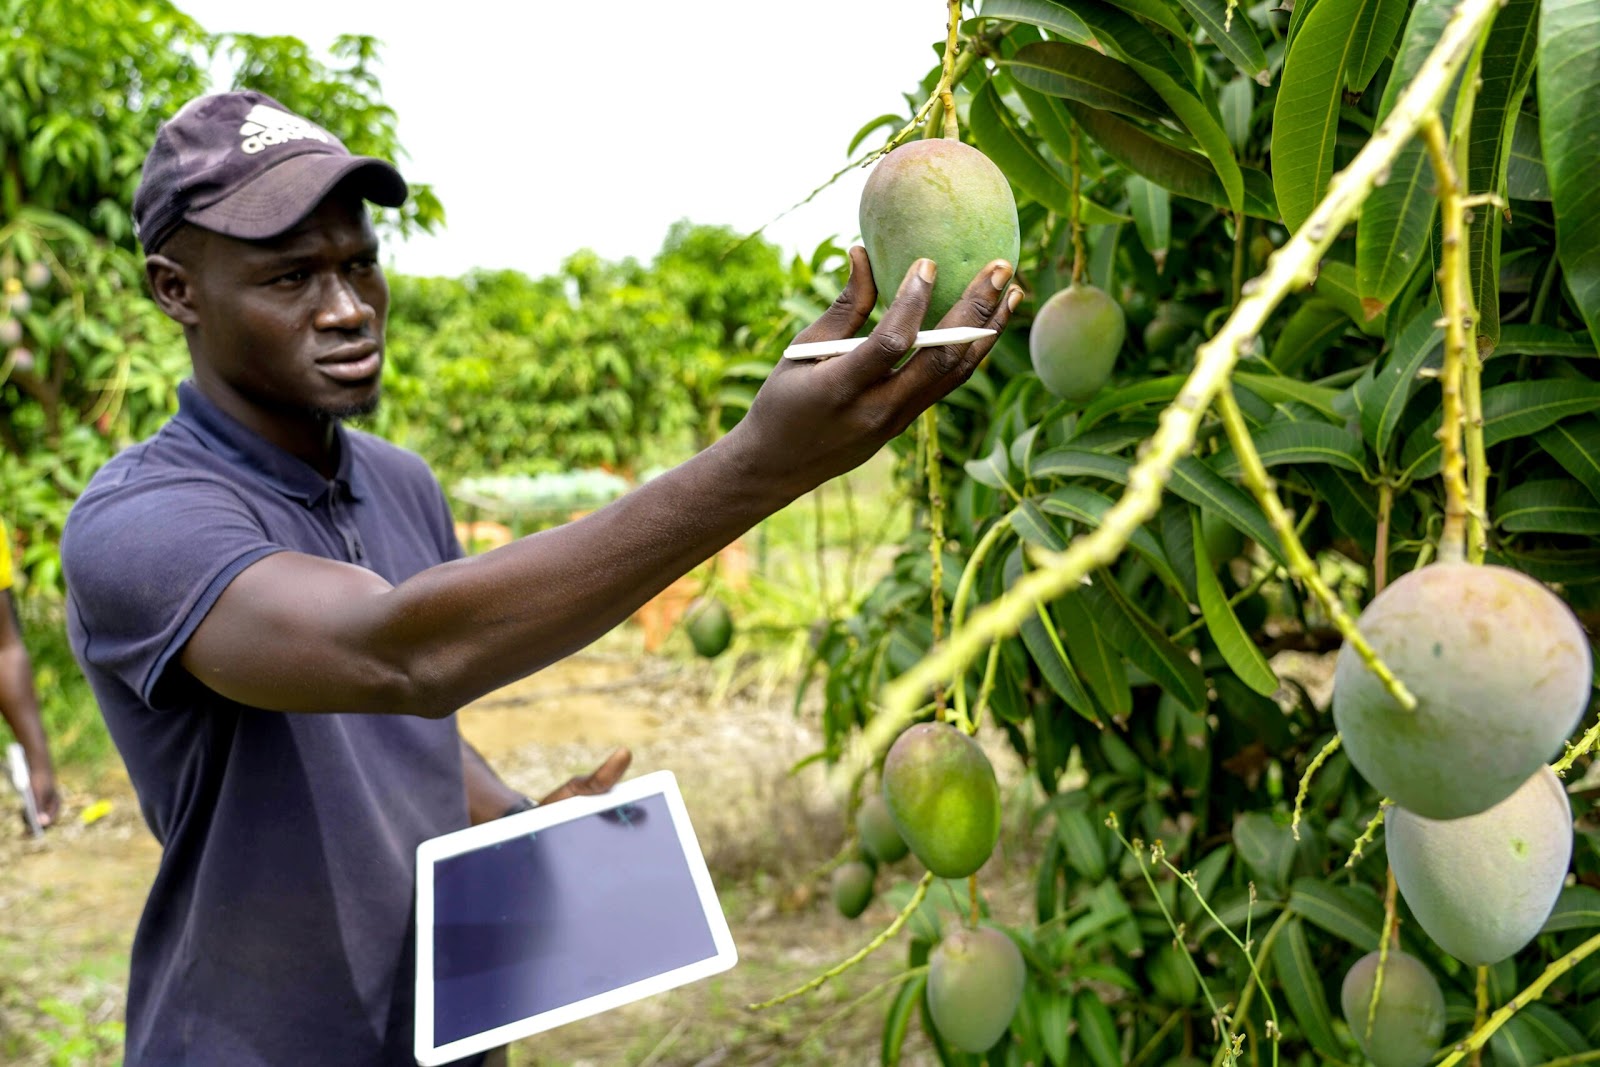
281, 197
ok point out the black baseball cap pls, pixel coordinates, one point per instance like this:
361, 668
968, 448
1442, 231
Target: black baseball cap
243, 165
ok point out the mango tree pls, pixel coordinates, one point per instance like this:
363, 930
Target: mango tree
1354, 252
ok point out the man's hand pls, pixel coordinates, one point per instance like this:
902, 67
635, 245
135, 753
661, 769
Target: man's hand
600, 780
814, 421
46, 800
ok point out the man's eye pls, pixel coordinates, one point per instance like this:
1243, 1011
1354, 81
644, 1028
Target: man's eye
293, 277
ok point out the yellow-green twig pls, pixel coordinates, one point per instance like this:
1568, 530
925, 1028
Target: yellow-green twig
1481, 1035
1300, 563
1305, 781
866, 950
1289, 269
1585, 743
1367, 835
958, 612
946, 88
1385, 940
1458, 333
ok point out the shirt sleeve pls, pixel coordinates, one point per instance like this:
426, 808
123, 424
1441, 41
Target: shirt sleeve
145, 561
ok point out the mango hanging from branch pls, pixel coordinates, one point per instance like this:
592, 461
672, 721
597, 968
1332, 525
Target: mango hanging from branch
942, 200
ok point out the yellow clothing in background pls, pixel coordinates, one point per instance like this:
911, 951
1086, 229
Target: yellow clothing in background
5, 557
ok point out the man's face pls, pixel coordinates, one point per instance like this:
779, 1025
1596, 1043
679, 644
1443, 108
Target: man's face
294, 325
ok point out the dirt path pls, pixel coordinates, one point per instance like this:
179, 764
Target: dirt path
68, 905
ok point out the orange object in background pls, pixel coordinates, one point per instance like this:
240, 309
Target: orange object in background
659, 615
478, 537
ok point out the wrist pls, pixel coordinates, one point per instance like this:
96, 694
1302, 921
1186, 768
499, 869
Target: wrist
521, 804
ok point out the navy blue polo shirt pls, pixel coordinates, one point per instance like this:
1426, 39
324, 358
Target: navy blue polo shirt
278, 930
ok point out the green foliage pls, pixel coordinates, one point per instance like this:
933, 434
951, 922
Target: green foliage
616, 365
88, 86
1164, 731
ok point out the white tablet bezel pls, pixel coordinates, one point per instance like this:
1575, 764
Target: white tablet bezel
430, 852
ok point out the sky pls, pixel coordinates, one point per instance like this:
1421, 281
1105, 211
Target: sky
547, 128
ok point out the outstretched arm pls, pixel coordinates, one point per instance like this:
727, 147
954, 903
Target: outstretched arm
296, 633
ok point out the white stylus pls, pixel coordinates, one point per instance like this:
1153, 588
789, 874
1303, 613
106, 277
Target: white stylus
955, 335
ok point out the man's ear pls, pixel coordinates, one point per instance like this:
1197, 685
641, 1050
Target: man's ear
173, 289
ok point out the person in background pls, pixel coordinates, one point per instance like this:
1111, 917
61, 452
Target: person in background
19, 702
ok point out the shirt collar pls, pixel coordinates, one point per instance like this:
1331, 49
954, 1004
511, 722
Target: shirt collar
286, 473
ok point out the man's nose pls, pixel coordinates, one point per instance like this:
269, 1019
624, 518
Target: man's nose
342, 306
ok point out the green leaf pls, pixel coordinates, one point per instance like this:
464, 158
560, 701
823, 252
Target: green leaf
1340, 45
1199, 484
1230, 636
1156, 64
1278, 389
1097, 1032
1072, 462
1315, 327
1343, 913
1553, 505
996, 132
1297, 969
1035, 528
1142, 641
1154, 391
1045, 14
1577, 908
1073, 72
1517, 1044
1176, 169
1506, 68
1043, 643
892, 120
1569, 126
1575, 444
1515, 409
993, 470
1100, 664
1336, 283
1055, 1025
1084, 505
1526, 178
1080, 838
1267, 848
1152, 217
1158, 12
1386, 398
1298, 442
898, 1022
1524, 339
1236, 103
1234, 37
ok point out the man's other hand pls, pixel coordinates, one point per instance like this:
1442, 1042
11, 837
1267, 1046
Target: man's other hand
600, 780
812, 421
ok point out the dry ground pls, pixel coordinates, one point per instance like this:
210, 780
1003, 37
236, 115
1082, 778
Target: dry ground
68, 905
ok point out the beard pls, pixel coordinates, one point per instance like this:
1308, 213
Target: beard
343, 412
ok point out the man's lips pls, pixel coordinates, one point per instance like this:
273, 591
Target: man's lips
353, 363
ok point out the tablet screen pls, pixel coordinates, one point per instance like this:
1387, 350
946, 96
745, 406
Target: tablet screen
558, 916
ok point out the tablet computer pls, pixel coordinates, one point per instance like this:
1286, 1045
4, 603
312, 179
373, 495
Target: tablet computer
559, 913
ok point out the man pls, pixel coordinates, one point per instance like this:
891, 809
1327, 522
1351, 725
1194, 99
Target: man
273, 610
19, 703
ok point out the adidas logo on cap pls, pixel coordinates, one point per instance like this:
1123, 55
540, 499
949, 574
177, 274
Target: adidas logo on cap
265, 126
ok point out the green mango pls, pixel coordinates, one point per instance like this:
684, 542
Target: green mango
880, 838
1501, 671
1482, 886
942, 200
852, 887
941, 790
1074, 341
975, 983
1409, 1022
710, 626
